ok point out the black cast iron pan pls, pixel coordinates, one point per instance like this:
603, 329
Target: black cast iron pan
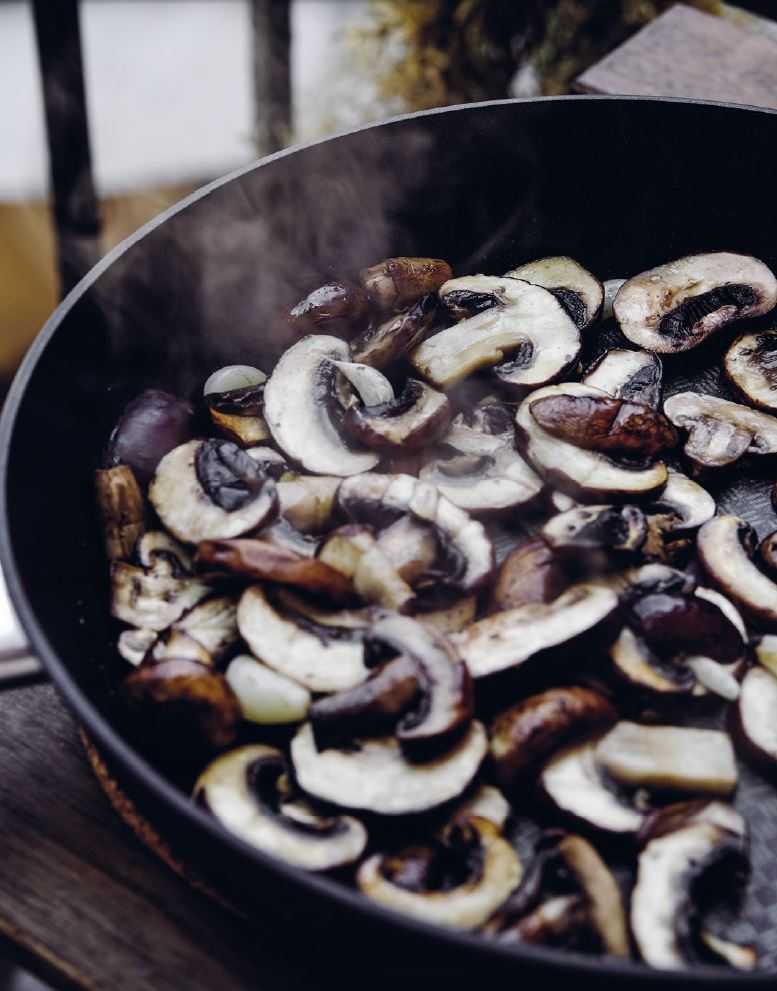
621, 184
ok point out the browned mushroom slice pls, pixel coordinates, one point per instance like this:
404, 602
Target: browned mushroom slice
246, 791
531, 572
148, 600
725, 547
683, 504
631, 375
395, 283
755, 718
266, 697
120, 502
246, 431
234, 396
587, 475
307, 501
621, 529
417, 418
523, 737
720, 432
675, 623
580, 293
382, 344
457, 882
644, 670
674, 307
152, 425
334, 308
261, 560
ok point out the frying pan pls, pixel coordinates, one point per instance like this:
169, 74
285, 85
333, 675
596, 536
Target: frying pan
620, 184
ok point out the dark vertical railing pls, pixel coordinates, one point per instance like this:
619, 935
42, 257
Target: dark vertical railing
272, 73
75, 209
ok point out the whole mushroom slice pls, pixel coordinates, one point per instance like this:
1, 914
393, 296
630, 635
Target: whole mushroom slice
488, 483
574, 783
509, 639
755, 718
120, 502
374, 774
725, 545
635, 376
266, 697
611, 289
683, 504
152, 601
525, 735
395, 283
531, 572
586, 475
211, 489
621, 529
415, 419
458, 882
674, 307
750, 365
244, 789
307, 502
664, 908
675, 758
334, 308
720, 432
388, 340
528, 323
580, 293
299, 406
322, 659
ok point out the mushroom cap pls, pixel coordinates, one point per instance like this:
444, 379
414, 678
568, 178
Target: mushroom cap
750, 365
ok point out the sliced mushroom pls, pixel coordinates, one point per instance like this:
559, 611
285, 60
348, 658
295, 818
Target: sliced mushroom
683, 504
675, 758
211, 489
213, 623
307, 501
152, 425
231, 383
152, 601
174, 644
751, 367
373, 774
755, 718
299, 406
158, 552
133, 645
508, 639
266, 697
611, 528
674, 307
525, 736
484, 429
766, 652
320, 658
486, 802
452, 618
384, 342
738, 955
467, 551
246, 791
725, 545
720, 432
673, 623
611, 289
643, 669
395, 283
580, 293
120, 502
234, 396
631, 375
589, 476
372, 387
528, 323
458, 882
411, 548
574, 783
244, 430
678, 815
417, 418
334, 308
313, 611
562, 921
488, 483
353, 552
531, 572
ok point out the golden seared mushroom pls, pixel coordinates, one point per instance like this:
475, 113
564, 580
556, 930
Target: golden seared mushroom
509, 639
525, 324
388, 340
614, 529
123, 513
487, 483
531, 572
456, 881
307, 502
751, 368
585, 474
247, 791
337, 308
527, 734
266, 697
211, 489
153, 424
676, 306
234, 396
720, 432
415, 419
182, 705
580, 293
634, 376
300, 408
322, 659
672, 758
374, 775
396, 283
755, 718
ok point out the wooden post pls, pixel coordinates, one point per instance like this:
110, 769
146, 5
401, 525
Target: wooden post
272, 73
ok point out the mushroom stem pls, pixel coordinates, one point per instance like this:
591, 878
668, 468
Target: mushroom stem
120, 502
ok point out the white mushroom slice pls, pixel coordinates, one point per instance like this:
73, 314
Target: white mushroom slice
580, 293
150, 601
671, 757
211, 489
213, 623
720, 432
487, 483
231, 378
322, 663
611, 289
411, 548
133, 645
751, 367
175, 645
714, 677
561, 502
674, 307
158, 551
373, 386
297, 401
632, 375
662, 910
486, 803
374, 775
466, 905
242, 789
510, 638
573, 781
588, 476
527, 322
271, 461
642, 668
483, 430
724, 546
264, 696
413, 420
609, 528
307, 501
683, 504
766, 652
756, 717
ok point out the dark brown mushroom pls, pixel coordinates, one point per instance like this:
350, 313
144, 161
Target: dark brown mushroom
531, 572
395, 283
767, 550
383, 343
153, 424
335, 308
120, 502
676, 624
234, 396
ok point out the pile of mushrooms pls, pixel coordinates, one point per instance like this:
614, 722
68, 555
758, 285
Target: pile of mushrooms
431, 570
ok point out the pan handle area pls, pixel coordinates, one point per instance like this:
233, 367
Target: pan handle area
17, 664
